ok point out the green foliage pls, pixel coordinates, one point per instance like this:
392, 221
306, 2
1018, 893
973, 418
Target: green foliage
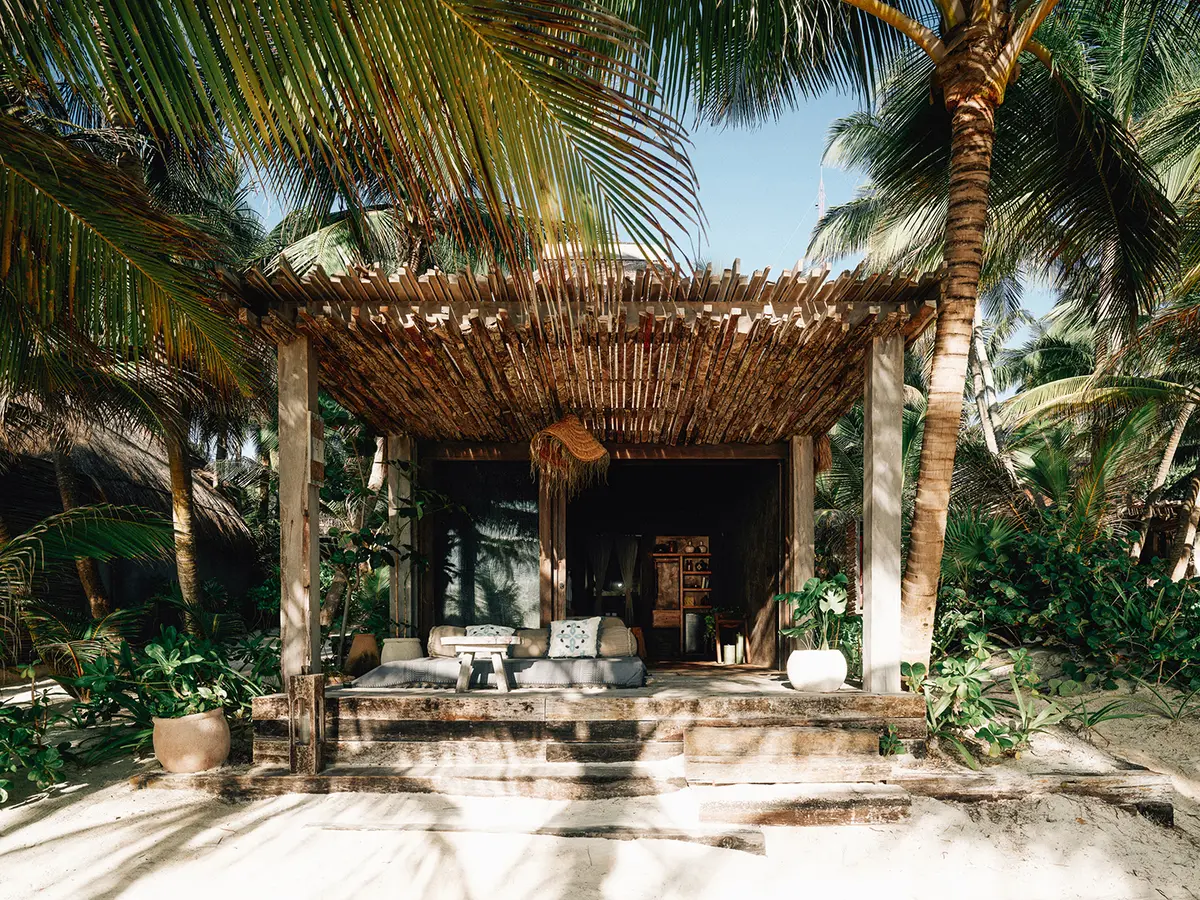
1110, 613
890, 743
1084, 721
818, 609
175, 675
964, 711
1171, 709
23, 747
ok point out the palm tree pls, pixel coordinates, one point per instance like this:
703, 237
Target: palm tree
95, 532
493, 109
741, 62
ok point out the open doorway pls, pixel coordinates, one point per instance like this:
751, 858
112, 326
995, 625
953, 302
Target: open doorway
673, 546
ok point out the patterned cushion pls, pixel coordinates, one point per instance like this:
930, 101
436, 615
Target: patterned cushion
490, 631
574, 638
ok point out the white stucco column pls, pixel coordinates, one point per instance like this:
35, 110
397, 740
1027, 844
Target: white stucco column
883, 476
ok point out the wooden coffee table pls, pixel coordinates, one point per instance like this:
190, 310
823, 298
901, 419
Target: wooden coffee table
468, 647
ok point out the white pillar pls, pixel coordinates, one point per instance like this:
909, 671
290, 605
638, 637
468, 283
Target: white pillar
399, 494
301, 471
883, 473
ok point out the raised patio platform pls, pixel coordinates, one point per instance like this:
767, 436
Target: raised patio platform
740, 716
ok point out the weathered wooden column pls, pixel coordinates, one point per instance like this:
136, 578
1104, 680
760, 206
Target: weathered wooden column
883, 473
552, 552
301, 471
801, 537
399, 494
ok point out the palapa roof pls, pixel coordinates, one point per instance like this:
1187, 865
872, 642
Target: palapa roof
643, 358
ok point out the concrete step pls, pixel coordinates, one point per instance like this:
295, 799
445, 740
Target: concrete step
810, 804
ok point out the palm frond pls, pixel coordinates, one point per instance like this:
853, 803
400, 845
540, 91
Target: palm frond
529, 107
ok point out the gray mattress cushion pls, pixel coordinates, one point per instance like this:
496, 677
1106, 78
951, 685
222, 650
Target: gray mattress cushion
615, 671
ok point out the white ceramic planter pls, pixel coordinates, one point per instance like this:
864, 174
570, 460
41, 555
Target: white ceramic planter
816, 670
400, 648
192, 743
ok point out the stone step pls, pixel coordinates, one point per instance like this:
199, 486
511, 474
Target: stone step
547, 781
812, 804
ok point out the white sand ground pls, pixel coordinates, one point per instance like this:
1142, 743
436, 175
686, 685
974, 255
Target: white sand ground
104, 840
99, 838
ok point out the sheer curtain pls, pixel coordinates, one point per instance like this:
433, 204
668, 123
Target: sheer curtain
599, 552
627, 548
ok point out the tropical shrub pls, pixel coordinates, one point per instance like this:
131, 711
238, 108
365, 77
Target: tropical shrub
1110, 613
23, 747
175, 675
963, 706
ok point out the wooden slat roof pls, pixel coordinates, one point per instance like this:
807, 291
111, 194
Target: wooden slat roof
646, 358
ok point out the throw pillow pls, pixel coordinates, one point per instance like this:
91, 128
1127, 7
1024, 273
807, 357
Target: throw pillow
574, 638
490, 631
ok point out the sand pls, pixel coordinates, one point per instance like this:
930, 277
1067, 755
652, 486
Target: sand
99, 838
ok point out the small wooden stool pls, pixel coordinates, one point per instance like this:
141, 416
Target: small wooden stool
495, 646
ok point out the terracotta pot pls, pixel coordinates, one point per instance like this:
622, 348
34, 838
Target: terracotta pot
401, 648
816, 670
192, 743
363, 655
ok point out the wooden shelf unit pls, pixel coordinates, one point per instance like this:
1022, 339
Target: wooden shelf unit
681, 586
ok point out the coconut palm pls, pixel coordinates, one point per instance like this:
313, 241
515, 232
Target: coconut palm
99, 532
489, 108
742, 62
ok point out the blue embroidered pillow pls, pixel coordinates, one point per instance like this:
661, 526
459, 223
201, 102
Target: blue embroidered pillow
574, 638
490, 631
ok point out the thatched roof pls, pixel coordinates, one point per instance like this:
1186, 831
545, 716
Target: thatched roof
645, 358
122, 469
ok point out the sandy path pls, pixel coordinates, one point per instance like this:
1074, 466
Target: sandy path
105, 840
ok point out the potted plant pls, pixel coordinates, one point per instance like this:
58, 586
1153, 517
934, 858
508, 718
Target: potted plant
173, 691
818, 610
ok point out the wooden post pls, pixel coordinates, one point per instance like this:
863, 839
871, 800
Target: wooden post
399, 493
800, 545
301, 471
883, 474
552, 553
306, 724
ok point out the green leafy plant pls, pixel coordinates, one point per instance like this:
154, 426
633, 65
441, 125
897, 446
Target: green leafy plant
818, 610
175, 675
23, 747
890, 743
1162, 705
1084, 721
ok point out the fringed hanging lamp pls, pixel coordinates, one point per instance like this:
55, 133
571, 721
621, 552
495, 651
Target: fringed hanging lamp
567, 456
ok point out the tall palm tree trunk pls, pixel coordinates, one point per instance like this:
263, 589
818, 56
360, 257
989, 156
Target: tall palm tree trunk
1185, 535
972, 136
183, 507
1160, 478
985, 393
88, 568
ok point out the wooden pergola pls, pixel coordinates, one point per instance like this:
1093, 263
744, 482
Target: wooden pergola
656, 366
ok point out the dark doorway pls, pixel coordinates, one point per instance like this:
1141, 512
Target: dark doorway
733, 505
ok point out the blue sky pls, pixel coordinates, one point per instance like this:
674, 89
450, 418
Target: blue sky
758, 189
758, 186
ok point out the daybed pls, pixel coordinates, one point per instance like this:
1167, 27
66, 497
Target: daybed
615, 665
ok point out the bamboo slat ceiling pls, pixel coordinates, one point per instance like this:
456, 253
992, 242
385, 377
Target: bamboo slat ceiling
709, 359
